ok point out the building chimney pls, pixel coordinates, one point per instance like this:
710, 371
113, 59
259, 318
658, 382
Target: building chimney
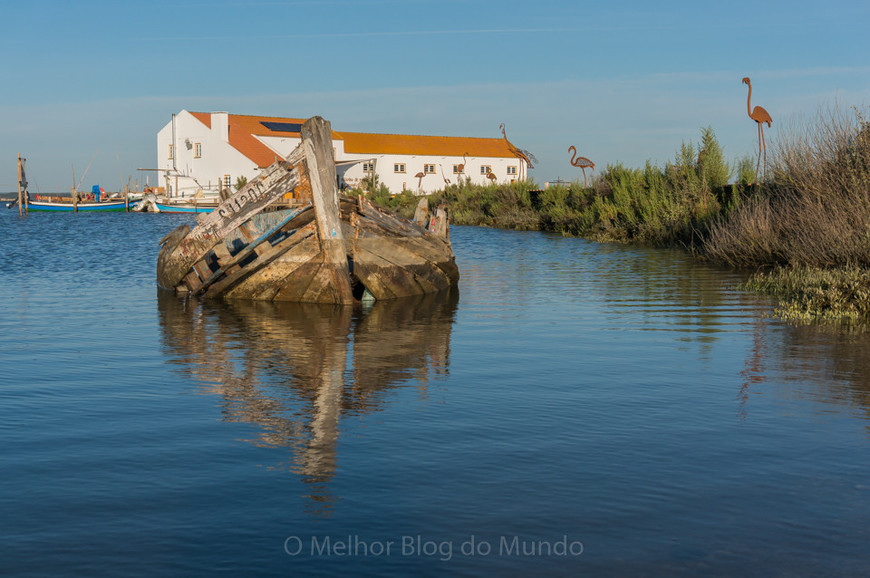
220, 123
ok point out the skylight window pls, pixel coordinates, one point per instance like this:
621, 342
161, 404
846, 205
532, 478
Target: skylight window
282, 126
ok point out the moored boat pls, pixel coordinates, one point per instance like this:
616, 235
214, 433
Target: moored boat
152, 203
69, 207
187, 206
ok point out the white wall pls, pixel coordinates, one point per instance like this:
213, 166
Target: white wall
396, 182
218, 157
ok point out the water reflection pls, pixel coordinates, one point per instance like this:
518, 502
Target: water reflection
836, 359
653, 290
295, 369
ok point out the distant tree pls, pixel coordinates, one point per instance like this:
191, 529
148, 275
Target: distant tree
241, 182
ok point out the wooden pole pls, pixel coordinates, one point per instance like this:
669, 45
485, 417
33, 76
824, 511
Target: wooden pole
317, 143
75, 195
20, 210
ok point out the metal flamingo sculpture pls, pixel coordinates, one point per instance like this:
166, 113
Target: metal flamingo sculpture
760, 116
581, 162
419, 176
518, 152
460, 169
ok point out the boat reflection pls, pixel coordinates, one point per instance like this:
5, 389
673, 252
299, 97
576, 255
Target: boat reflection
295, 369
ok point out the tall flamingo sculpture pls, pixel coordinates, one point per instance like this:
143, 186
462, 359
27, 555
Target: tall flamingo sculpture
581, 162
760, 116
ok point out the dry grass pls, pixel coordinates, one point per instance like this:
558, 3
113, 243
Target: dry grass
816, 210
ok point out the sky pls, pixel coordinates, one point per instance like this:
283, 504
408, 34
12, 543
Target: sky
87, 84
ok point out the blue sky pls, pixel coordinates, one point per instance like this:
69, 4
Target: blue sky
91, 82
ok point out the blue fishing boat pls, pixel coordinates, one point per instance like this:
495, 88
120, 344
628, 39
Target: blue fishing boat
152, 203
189, 207
67, 206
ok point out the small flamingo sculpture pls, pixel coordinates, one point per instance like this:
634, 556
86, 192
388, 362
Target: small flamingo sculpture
419, 176
760, 116
491, 176
460, 169
581, 162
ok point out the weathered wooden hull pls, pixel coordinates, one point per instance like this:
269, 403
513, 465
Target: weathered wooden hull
385, 265
328, 250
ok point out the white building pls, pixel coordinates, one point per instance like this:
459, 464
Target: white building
199, 150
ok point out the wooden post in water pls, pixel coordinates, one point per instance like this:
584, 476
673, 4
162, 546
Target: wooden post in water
20, 209
75, 194
22, 187
317, 144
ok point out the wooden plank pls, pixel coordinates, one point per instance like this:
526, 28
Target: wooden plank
202, 269
269, 186
439, 224
317, 142
192, 281
385, 257
279, 281
236, 274
384, 279
429, 247
258, 245
389, 222
266, 282
246, 233
421, 213
222, 253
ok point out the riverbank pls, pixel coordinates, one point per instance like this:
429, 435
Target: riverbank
805, 230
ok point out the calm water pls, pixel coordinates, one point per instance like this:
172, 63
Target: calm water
574, 408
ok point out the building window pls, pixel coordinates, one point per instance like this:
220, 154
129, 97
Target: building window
428, 169
171, 152
368, 167
485, 169
458, 169
197, 150
512, 170
227, 181
399, 167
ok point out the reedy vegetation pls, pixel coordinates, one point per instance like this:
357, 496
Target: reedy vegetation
806, 230
653, 205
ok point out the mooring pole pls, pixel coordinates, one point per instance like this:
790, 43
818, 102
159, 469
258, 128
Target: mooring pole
20, 209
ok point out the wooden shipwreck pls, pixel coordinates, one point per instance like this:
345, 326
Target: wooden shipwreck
320, 248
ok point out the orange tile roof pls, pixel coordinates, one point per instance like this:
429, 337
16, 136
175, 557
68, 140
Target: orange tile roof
243, 128
439, 146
